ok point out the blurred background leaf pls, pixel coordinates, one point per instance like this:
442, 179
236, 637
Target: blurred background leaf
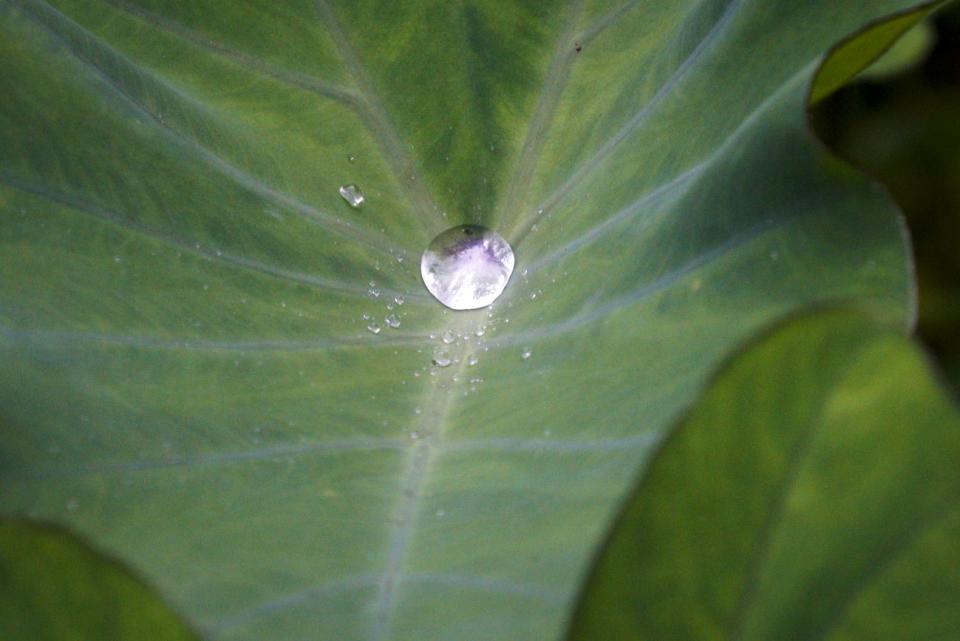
905, 131
54, 587
810, 494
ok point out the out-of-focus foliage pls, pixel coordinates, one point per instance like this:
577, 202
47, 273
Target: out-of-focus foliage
810, 494
905, 131
54, 587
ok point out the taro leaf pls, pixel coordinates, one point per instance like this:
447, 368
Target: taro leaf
53, 587
812, 493
185, 298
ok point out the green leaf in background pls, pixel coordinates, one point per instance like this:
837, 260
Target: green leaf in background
910, 50
812, 493
53, 587
881, 48
188, 376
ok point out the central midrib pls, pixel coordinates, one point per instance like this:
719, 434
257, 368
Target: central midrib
427, 433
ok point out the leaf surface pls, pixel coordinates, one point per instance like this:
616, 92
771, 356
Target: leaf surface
185, 298
810, 494
54, 587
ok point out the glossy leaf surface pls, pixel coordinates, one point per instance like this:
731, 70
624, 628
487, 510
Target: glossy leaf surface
188, 306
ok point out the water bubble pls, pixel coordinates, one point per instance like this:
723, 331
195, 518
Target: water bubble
373, 328
448, 337
441, 357
392, 320
352, 194
526, 353
467, 267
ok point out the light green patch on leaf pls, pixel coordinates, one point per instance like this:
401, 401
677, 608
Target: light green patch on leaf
810, 494
54, 587
907, 52
882, 47
185, 297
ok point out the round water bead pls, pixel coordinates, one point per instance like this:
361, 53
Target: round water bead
467, 267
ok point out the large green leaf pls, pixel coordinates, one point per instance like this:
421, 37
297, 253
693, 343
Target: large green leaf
811, 494
55, 588
187, 375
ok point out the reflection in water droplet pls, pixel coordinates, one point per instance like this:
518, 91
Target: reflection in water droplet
527, 353
352, 194
472, 360
398, 299
467, 267
441, 357
373, 328
448, 337
392, 320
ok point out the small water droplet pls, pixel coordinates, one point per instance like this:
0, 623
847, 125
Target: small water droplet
526, 353
440, 514
392, 320
441, 357
372, 290
352, 158
448, 337
373, 328
467, 267
365, 316
72, 505
414, 435
472, 360
398, 299
352, 194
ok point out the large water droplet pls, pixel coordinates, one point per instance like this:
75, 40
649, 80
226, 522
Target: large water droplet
467, 267
352, 194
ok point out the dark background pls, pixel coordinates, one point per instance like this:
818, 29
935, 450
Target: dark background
905, 131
